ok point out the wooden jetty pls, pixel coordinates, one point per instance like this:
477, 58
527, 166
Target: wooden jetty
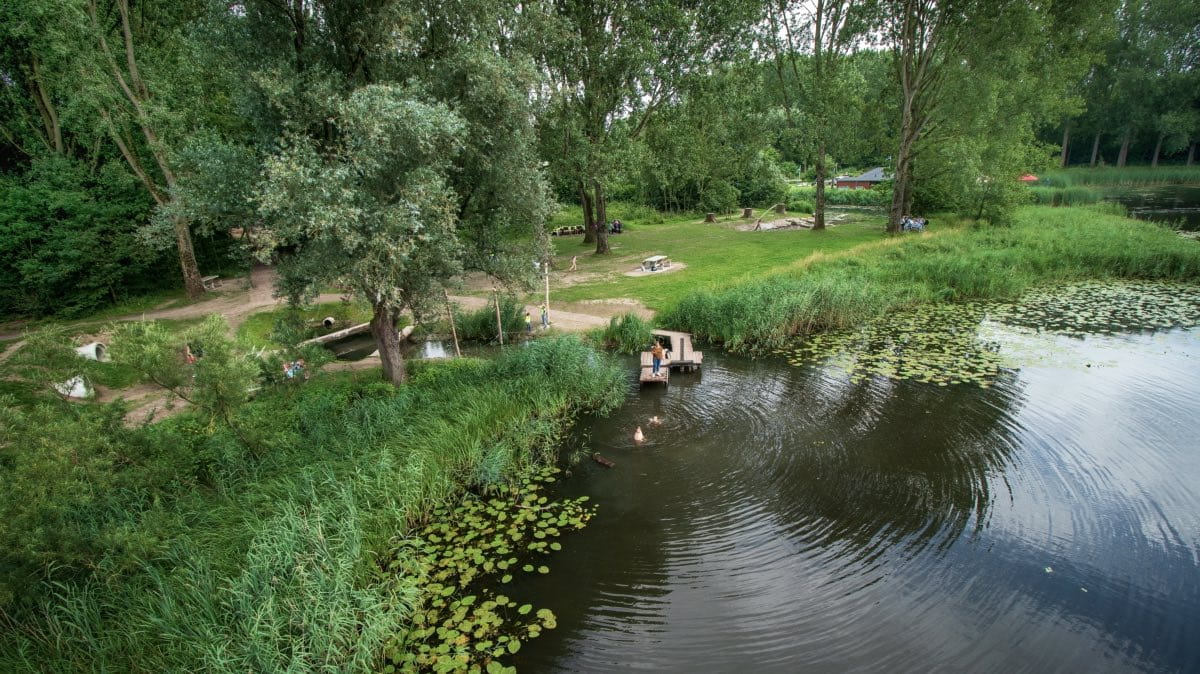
682, 357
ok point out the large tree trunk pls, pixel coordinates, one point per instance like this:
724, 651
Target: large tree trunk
819, 198
1095, 150
1157, 150
1124, 149
1191, 154
589, 222
1065, 155
601, 220
383, 328
187, 259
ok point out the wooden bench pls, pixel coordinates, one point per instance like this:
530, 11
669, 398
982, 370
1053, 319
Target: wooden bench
210, 282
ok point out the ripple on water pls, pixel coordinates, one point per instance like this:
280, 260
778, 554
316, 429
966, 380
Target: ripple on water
791, 517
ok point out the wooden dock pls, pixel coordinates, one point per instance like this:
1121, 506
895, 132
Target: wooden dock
682, 357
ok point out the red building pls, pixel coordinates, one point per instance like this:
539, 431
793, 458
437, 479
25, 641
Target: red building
863, 182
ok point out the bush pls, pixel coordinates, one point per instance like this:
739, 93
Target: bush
628, 333
835, 196
480, 325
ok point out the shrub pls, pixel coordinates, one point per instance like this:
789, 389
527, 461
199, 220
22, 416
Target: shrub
627, 333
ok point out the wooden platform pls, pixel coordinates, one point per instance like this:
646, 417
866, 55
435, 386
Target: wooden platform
648, 377
683, 357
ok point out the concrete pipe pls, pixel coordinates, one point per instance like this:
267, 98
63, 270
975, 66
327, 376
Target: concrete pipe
75, 387
94, 351
328, 322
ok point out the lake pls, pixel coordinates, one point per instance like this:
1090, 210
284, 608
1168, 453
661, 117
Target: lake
812, 514
1177, 205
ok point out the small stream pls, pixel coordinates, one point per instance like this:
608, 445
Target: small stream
795, 518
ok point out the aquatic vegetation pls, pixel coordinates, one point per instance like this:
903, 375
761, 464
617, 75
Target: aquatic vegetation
944, 344
1122, 175
1065, 196
460, 623
1103, 307
935, 344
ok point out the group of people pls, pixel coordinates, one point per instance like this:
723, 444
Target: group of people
911, 224
529, 320
638, 436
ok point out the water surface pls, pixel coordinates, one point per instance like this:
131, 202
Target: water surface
790, 519
1175, 205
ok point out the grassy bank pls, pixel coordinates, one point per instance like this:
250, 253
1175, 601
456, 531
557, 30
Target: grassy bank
185, 546
1044, 245
1125, 175
714, 256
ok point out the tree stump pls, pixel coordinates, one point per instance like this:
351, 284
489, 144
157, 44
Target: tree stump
779, 208
710, 217
747, 212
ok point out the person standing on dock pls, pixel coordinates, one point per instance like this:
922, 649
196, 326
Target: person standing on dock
656, 353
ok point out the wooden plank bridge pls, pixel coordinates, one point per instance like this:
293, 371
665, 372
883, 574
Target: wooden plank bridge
680, 356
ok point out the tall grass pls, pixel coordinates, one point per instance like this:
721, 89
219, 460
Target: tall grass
1079, 195
628, 333
268, 564
840, 197
1125, 175
1043, 245
480, 325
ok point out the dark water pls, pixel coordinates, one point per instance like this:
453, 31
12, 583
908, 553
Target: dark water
1176, 205
784, 519
357, 347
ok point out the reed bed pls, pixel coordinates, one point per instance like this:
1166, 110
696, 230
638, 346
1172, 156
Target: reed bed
1125, 175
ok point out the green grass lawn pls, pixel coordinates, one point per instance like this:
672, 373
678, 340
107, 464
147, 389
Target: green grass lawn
715, 255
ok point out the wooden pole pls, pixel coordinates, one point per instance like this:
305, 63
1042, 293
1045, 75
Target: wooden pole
547, 293
499, 324
453, 330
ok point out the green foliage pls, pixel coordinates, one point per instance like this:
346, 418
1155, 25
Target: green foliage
1043, 245
459, 621
628, 333
217, 382
1065, 196
67, 240
840, 196
197, 553
1126, 175
480, 325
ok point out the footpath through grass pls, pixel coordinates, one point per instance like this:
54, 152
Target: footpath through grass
715, 255
1044, 245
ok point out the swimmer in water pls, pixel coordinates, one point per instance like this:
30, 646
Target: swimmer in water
638, 438
655, 421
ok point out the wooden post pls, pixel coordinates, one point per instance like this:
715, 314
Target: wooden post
710, 217
779, 208
747, 212
547, 293
499, 323
453, 330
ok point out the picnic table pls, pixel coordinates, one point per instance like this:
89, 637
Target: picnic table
656, 263
210, 282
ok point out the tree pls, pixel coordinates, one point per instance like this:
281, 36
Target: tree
371, 210
610, 67
828, 28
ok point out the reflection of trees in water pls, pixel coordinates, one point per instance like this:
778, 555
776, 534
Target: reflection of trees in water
881, 461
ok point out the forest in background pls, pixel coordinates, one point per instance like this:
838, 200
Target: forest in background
135, 135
